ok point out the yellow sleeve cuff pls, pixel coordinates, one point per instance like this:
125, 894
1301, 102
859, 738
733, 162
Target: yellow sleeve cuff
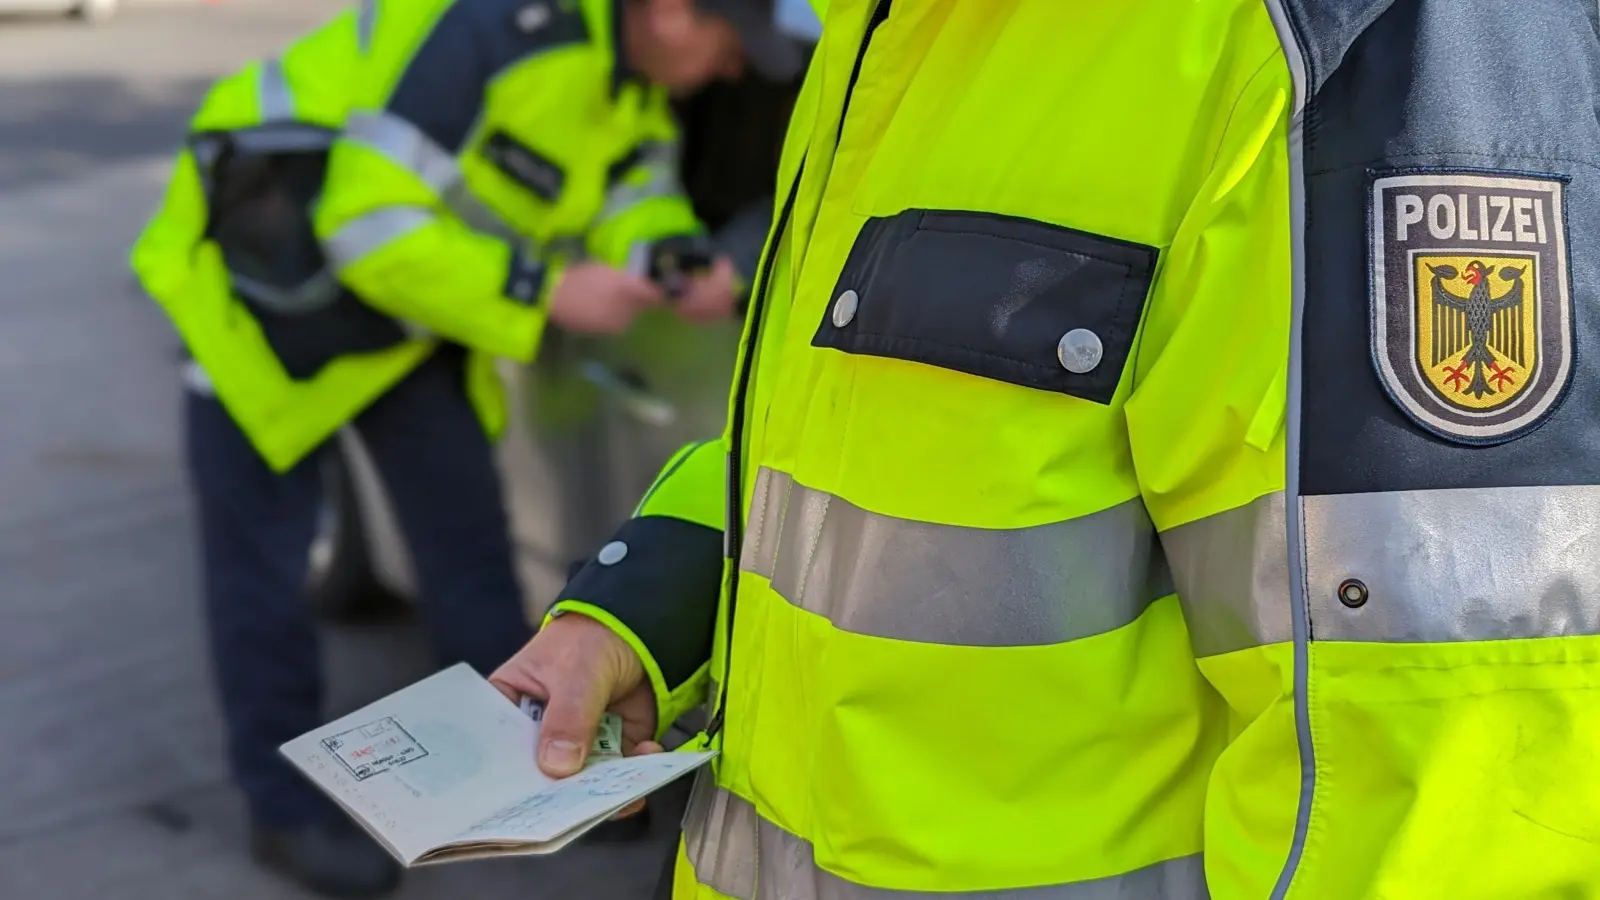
671, 703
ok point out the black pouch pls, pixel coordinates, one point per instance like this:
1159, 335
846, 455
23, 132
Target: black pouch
999, 297
260, 185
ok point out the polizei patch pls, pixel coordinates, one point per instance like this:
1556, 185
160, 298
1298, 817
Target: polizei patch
1471, 312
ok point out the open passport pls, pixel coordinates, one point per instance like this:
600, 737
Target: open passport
444, 770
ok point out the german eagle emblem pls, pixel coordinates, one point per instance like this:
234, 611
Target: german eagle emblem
1488, 329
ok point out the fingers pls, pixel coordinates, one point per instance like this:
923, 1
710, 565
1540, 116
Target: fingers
511, 693
717, 284
723, 274
516, 679
632, 809
643, 292
637, 708
710, 296
571, 716
576, 666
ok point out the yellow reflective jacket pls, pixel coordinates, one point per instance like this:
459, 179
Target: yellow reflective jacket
555, 153
1160, 466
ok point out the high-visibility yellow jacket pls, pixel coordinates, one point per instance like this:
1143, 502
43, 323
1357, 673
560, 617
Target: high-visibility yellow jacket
1161, 465
471, 148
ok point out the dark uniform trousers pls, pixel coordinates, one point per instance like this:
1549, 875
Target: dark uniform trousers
256, 528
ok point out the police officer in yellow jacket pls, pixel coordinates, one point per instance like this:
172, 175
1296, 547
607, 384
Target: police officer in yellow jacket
353, 229
1161, 465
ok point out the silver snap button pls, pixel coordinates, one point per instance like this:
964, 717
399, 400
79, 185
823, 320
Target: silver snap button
844, 308
533, 17
612, 553
1080, 351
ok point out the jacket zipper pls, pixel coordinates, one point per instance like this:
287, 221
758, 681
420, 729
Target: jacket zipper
735, 485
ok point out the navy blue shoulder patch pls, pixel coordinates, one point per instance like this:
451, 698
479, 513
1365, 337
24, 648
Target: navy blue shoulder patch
1327, 29
1450, 199
442, 89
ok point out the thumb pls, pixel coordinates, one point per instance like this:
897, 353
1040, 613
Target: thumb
571, 717
644, 292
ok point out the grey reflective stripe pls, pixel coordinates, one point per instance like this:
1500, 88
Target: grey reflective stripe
317, 292
364, 234
274, 98
741, 855
1283, 22
638, 262
1532, 571
406, 146
917, 581
477, 215
281, 137
659, 153
625, 197
720, 835
1232, 574
1425, 583
366, 20
660, 160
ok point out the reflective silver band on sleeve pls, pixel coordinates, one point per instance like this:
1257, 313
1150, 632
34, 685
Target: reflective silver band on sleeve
739, 854
364, 234
273, 96
638, 261
1231, 571
1479, 564
403, 144
889, 577
624, 197
406, 146
659, 162
282, 137
1416, 578
477, 215
366, 21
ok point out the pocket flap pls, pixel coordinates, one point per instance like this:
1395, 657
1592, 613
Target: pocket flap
999, 297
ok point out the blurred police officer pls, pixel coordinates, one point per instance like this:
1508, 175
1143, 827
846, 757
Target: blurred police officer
353, 230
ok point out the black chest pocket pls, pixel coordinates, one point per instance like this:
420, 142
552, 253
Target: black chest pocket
1014, 300
525, 166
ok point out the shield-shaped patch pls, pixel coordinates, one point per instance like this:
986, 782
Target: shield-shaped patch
1471, 311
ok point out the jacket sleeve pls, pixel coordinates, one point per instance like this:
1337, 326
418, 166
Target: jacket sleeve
385, 217
657, 583
161, 256
164, 256
1203, 446
645, 202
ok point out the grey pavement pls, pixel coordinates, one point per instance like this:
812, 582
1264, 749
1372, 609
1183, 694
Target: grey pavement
112, 783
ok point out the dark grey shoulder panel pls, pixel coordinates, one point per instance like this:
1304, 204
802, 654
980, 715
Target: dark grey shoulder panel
1327, 28
442, 89
1474, 89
